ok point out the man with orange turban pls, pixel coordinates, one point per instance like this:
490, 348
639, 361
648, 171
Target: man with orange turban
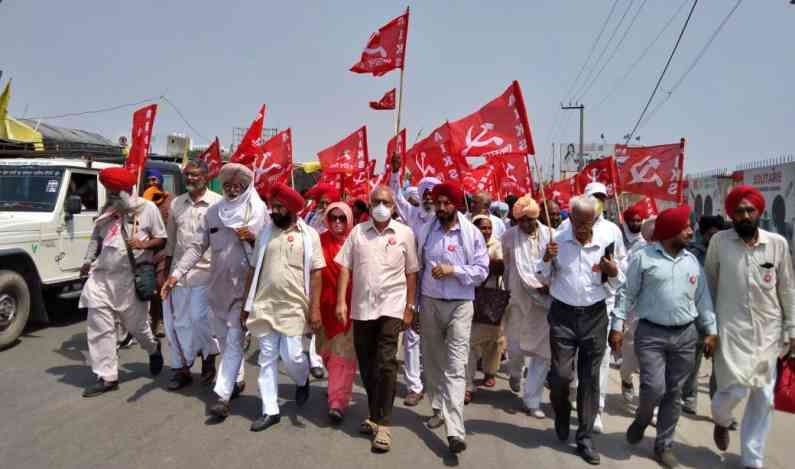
668, 292
750, 275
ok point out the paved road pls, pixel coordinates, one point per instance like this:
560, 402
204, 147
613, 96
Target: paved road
46, 423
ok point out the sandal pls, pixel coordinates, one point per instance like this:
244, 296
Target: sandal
383, 440
368, 427
489, 382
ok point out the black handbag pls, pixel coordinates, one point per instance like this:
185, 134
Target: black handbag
143, 273
490, 304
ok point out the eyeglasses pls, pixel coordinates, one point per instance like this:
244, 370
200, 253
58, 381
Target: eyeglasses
338, 218
746, 210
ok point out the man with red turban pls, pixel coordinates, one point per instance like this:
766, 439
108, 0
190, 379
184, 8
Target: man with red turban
668, 292
128, 226
750, 275
283, 298
633, 218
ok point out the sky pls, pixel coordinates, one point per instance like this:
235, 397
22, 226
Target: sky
219, 61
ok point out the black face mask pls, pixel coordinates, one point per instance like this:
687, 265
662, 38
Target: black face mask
746, 229
281, 221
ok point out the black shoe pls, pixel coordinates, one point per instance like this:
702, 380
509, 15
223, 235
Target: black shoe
265, 422
689, 409
221, 409
302, 394
562, 426
336, 416
666, 458
156, 362
126, 342
635, 433
457, 445
588, 455
721, 437
179, 380
101, 387
317, 372
208, 370
238, 389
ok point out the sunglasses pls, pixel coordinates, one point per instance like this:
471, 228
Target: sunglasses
338, 218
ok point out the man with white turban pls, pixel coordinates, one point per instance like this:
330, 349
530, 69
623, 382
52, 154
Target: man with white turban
526, 325
229, 230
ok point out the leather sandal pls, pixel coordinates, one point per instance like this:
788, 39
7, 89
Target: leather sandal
383, 440
368, 427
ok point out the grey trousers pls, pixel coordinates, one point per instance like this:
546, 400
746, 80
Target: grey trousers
445, 328
690, 389
666, 356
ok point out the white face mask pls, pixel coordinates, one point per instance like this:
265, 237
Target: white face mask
381, 213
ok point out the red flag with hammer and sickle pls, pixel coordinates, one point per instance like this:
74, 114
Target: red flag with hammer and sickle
248, 149
346, 156
560, 191
513, 175
386, 48
480, 179
143, 121
274, 160
654, 171
498, 128
387, 102
212, 157
602, 170
432, 157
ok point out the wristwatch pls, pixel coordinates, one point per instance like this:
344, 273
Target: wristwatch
413, 308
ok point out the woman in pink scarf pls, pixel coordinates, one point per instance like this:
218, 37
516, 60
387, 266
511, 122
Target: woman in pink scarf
335, 340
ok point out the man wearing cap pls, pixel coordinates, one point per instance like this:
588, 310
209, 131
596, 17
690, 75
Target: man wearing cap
750, 275
284, 296
186, 312
128, 223
380, 256
454, 260
667, 290
415, 217
581, 277
229, 231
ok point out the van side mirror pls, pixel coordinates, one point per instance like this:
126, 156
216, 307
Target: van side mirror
74, 205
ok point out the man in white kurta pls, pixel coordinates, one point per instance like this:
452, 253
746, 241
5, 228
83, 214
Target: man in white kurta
526, 326
750, 276
186, 311
229, 233
109, 293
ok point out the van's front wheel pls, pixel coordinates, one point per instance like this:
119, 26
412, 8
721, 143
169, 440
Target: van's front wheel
14, 307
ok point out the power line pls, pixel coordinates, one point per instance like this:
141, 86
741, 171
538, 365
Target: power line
694, 63
641, 56
665, 69
615, 50
604, 50
174, 106
96, 111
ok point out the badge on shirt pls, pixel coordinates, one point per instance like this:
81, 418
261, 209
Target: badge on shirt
768, 277
451, 247
692, 279
596, 268
290, 238
392, 241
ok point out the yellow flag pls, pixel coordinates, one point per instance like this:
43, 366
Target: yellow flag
311, 166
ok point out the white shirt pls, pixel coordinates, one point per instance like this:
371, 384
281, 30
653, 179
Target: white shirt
573, 275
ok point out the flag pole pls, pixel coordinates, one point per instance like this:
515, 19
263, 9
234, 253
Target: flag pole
400, 96
543, 195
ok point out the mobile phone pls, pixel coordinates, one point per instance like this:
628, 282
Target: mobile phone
609, 250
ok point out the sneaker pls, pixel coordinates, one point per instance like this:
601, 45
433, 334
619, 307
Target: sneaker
628, 392
666, 458
598, 427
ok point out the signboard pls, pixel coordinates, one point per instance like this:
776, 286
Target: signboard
568, 155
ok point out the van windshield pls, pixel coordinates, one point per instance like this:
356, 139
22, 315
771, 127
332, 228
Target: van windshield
29, 188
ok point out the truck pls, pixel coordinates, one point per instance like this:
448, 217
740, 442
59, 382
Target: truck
47, 210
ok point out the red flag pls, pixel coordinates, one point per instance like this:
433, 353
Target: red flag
513, 175
386, 48
247, 151
498, 128
396, 144
212, 157
602, 170
480, 179
274, 161
431, 156
359, 185
346, 156
560, 191
387, 102
143, 121
654, 171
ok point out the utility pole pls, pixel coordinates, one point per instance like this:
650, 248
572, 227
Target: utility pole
581, 108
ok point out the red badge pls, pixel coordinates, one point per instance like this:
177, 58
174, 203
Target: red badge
451, 247
392, 241
768, 277
290, 238
693, 279
596, 268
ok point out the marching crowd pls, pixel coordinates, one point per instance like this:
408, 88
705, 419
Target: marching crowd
549, 294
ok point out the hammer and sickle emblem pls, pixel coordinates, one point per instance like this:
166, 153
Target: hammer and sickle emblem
640, 171
425, 170
371, 50
477, 142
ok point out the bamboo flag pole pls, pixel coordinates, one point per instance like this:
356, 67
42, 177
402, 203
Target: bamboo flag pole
402, 70
543, 195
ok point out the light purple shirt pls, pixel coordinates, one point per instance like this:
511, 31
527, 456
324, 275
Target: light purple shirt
448, 248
